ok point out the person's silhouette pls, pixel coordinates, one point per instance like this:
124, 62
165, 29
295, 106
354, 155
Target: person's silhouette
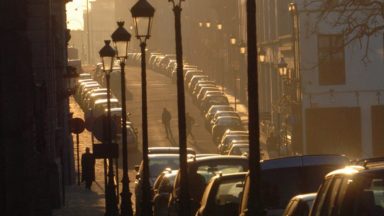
166, 120
88, 168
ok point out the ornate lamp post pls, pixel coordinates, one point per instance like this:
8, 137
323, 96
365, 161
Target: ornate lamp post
208, 24
142, 13
262, 55
121, 38
243, 50
185, 208
107, 54
283, 68
219, 41
232, 41
254, 202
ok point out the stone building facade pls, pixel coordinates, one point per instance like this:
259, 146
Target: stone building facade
36, 145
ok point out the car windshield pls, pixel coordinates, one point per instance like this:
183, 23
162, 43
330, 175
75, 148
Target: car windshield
158, 164
229, 191
366, 195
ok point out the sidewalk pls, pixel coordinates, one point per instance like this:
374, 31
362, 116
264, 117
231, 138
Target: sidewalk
78, 200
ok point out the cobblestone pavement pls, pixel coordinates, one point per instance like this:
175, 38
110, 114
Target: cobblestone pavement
78, 200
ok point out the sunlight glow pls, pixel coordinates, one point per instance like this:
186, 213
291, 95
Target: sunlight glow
75, 11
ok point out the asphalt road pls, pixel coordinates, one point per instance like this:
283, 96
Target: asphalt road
162, 93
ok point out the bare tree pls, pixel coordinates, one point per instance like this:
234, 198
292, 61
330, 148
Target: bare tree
358, 19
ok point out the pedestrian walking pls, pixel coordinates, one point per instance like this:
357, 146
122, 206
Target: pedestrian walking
189, 122
166, 119
88, 168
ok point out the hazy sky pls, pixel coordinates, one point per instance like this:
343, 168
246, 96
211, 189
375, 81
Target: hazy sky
75, 11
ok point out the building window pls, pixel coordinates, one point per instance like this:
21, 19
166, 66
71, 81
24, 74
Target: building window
331, 59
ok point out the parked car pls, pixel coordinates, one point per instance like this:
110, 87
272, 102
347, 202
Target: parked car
354, 190
220, 114
300, 205
190, 73
210, 100
186, 67
100, 105
225, 141
222, 195
238, 149
222, 124
157, 163
200, 171
200, 84
203, 93
283, 178
212, 92
194, 80
162, 188
214, 108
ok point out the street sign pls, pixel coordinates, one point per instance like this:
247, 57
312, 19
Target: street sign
99, 128
105, 150
77, 125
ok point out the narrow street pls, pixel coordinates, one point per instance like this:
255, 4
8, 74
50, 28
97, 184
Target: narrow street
162, 93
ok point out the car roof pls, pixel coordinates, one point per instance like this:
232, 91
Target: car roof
305, 160
230, 176
216, 157
306, 197
163, 155
101, 101
163, 150
240, 145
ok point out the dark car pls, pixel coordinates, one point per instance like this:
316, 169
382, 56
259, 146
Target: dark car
222, 195
161, 191
283, 178
223, 146
195, 79
157, 163
224, 123
300, 205
210, 100
213, 109
200, 171
222, 113
352, 191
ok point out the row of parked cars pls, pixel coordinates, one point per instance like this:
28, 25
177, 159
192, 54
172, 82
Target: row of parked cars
221, 120
92, 95
297, 185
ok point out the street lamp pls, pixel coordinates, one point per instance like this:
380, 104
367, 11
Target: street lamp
283, 68
121, 38
292, 7
208, 24
232, 41
107, 54
219, 26
142, 14
185, 207
219, 69
262, 55
243, 50
243, 47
